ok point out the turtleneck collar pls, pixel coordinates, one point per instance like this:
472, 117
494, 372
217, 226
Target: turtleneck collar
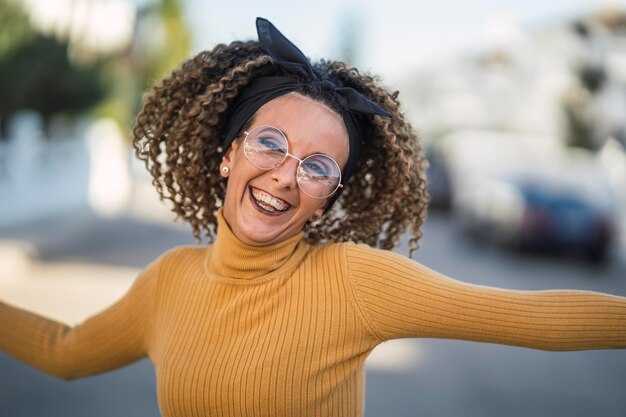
231, 260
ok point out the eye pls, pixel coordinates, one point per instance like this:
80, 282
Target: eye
316, 167
271, 145
270, 142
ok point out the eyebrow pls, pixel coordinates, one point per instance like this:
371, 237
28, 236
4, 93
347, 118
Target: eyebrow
282, 130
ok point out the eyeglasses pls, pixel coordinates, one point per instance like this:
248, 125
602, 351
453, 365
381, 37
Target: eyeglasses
318, 175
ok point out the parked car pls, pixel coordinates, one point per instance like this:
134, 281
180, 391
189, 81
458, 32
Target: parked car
536, 215
438, 180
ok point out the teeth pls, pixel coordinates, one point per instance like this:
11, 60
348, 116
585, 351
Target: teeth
267, 202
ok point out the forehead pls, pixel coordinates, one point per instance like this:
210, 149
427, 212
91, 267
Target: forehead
310, 126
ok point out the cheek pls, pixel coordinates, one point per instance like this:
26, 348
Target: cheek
234, 187
240, 174
311, 205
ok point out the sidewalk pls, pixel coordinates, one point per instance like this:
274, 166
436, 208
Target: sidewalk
72, 266
65, 291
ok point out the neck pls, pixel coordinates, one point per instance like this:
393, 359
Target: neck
231, 258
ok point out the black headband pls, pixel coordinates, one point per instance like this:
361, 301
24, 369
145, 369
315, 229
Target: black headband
299, 73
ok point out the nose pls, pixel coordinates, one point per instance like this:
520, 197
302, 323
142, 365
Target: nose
285, 174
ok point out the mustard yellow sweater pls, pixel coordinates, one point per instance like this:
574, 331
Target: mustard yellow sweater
283, 330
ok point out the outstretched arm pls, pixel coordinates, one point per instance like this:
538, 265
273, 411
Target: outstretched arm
115, 337
401, 298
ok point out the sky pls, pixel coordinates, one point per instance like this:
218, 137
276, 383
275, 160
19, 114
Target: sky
393, 37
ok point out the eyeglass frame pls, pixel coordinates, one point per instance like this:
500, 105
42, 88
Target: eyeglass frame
245, 137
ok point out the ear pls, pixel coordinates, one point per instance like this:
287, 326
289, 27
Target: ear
225, 165
233, 148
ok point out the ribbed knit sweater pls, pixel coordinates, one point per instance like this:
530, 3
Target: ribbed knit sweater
284, 330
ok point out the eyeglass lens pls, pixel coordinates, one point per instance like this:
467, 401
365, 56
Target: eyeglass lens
318, 175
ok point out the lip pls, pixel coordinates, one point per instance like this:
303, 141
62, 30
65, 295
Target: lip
260, 209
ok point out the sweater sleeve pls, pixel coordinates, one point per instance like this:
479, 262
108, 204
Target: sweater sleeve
110, 339
400, 298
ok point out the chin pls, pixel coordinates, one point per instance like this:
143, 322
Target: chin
259, 234
264, 235
257, 229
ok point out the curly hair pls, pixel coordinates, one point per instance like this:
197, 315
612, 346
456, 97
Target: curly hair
180, 128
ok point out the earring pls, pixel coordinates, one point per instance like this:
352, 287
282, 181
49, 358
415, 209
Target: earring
225, 170
315, 217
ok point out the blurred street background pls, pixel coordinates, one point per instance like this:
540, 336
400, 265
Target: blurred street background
521, 107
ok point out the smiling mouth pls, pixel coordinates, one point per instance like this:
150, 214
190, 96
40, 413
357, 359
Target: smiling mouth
267, 203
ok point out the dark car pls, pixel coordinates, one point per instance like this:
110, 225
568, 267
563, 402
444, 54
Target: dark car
539, 216
563, 221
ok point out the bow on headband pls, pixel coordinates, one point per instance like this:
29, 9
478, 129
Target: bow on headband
299, 72
288, 56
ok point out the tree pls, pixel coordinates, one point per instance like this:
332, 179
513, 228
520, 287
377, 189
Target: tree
37, 73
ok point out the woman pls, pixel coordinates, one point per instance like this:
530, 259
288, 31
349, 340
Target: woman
273, 156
